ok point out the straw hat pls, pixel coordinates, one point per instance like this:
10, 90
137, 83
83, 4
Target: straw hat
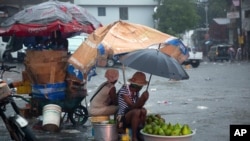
112, 75
139, 78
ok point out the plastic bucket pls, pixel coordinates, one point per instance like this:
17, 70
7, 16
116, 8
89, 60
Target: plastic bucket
51, 117
105, 132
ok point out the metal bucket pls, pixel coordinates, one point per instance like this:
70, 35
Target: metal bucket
105, 132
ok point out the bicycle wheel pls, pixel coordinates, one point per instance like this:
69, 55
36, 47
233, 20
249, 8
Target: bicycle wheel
29, 135
79, 116
21, 134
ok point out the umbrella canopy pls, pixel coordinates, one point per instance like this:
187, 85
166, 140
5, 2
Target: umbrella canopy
41, 19
116, 38
155, 62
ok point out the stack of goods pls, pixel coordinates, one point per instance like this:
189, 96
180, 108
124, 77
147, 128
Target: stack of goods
176, 49
46, 70
76, 85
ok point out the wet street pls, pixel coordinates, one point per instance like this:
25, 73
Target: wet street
215, 96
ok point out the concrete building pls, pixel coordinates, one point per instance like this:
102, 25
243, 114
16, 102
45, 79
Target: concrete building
246, 27
108, 11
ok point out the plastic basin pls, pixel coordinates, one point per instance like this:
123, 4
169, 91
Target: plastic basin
150, 137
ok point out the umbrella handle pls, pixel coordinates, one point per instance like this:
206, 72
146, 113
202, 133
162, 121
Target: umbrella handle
149, 81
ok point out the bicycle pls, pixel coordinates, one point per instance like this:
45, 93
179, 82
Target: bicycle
16, 125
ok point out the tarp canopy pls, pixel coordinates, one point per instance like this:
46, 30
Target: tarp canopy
116, 38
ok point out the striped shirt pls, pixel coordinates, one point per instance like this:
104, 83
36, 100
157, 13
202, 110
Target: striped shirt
121, 103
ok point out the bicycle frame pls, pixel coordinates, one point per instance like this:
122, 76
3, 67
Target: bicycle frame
16, 125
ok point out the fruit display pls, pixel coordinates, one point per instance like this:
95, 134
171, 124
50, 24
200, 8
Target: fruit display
111, 121
156, 125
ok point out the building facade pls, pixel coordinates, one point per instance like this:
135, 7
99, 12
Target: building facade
109, 11
246, 27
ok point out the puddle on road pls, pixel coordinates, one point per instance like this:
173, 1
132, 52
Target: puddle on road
202, 107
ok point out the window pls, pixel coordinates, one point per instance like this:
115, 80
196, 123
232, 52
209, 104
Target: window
101, 11
123, 13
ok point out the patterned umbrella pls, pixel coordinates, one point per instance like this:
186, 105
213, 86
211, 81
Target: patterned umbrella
42, 19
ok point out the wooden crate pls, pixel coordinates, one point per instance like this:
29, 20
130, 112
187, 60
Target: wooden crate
36, 56
42, 73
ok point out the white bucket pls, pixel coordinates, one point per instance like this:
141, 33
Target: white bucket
51, 117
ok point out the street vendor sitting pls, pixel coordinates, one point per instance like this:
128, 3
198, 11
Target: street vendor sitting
131, 113
104, 101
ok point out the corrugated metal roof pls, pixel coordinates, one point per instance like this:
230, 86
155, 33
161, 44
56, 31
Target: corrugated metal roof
222, 21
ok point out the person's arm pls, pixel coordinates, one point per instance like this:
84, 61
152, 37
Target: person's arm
128, 101
113, 96
142, 100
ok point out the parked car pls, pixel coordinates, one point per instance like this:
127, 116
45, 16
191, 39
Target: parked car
195, 57
75, 42
113, 59
12, 48
219, 52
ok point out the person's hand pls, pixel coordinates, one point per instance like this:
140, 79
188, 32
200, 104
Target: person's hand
145, 95
142, 99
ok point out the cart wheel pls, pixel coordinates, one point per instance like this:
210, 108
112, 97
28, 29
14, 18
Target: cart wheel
79, 116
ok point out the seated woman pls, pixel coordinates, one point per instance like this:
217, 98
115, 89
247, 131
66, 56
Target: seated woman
104, 101
131, 113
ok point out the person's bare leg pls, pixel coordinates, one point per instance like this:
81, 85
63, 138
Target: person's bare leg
143, 114
133, 118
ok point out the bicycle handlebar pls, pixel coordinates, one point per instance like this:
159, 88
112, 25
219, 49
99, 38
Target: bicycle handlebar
6, 68
12, 67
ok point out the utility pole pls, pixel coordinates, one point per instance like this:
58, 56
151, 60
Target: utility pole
240, 35
206, 9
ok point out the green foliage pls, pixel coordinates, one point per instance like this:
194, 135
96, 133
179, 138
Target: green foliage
216, 9
176, 16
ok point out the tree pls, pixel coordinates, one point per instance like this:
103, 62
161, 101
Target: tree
216, 9
176, 16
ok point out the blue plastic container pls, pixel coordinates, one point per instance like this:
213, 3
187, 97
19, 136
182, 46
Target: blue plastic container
48, 88
50, 96
53, 91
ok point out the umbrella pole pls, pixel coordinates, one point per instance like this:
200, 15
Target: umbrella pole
123, 73
159, 46
149, 81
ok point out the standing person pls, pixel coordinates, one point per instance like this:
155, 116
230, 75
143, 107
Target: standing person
104, 101
131, 113
238, 54
231, 53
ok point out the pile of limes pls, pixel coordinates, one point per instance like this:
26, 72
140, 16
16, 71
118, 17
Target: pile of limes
156, 125
111, 121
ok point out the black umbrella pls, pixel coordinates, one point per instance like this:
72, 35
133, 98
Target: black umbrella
155, 62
